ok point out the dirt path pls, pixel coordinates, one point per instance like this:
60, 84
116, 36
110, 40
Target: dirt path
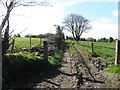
68, 75
65, 77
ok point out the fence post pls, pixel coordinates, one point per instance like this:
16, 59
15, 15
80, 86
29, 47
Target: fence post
12, 48
1, 59
40, 41
45, 50
92, 47
117, 58
30, 42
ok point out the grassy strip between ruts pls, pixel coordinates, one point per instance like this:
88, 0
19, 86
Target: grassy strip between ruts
71, 48
54, 59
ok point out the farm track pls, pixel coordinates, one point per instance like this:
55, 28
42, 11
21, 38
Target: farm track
69, 77
65, 77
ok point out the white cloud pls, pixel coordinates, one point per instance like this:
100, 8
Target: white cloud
103, 0
100, 30
62, 4
115, 12
70, 3
105, 20
38, 19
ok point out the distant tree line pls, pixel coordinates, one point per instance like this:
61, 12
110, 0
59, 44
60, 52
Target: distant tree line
40, 35
110, 39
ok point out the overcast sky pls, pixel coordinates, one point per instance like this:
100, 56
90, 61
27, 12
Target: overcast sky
103, 16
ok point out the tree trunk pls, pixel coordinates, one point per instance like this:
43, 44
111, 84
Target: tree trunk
5, 40
78, 38
4, 20
73, 35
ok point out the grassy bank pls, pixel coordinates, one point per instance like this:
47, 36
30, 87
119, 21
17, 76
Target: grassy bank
25, 64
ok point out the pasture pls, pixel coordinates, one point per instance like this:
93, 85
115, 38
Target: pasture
24, 42
104, 50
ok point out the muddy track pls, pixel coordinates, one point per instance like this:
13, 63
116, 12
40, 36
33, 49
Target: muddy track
75, 71
66, 77
92, 76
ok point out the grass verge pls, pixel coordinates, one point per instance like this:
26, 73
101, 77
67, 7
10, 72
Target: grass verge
113, 69
104, 50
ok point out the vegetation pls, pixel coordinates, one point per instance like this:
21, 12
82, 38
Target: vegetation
113, 69
76, 25
24, 64
59, 36
105, 50
24, 42
72, 49
54, 59
9, 5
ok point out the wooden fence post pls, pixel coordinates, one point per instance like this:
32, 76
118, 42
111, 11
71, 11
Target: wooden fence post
12, 48
117, 58
0, 59
45, 50
40, 41
30, 42
92, 47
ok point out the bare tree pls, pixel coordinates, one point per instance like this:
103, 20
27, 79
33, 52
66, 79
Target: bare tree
9, 6
76, 24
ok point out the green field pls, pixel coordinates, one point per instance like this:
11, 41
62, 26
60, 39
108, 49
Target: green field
104, 50
24, 42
